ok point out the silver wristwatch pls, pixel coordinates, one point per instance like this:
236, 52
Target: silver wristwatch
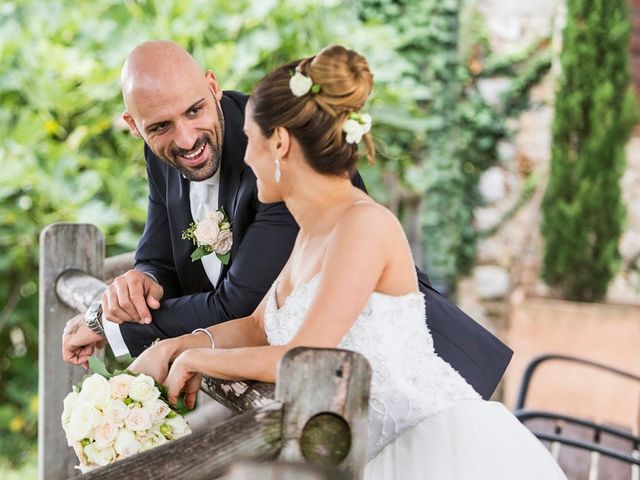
93, 318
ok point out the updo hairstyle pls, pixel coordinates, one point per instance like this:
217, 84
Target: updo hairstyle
316, 119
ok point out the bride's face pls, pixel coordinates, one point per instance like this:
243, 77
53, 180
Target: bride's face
261, 157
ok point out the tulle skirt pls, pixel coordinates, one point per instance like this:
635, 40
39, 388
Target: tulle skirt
473, 440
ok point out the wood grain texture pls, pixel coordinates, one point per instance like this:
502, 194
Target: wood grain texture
117, 265
79, 290
238, 397
63, 246
313, 382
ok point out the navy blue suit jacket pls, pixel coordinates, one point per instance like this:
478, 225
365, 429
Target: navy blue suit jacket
263, 237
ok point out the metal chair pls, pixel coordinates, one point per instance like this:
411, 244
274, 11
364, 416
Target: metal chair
583, 448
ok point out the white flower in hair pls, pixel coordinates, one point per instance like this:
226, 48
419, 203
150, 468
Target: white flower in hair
300, 84
356, 125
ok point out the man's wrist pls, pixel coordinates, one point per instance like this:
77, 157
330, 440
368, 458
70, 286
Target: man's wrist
93, 319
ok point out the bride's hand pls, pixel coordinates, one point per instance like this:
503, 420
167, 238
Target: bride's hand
154, 361
182, 378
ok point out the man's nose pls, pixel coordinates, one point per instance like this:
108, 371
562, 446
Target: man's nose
186, 136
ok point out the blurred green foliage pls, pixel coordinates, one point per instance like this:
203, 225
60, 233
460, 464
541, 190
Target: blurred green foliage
65, 155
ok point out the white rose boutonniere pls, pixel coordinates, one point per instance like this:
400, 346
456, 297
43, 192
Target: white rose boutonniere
211, 234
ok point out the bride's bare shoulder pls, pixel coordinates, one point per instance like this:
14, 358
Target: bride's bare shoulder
368, 219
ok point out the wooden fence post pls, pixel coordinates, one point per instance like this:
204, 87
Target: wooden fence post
325, 393
63, 246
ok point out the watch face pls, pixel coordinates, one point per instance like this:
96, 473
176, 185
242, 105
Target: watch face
92, 313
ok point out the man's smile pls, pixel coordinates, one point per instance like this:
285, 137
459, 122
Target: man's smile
196, 157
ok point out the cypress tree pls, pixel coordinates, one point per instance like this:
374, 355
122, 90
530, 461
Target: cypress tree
583, 213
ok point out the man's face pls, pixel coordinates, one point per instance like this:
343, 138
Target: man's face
181, 121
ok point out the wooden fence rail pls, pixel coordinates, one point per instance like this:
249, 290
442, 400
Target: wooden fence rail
328, 430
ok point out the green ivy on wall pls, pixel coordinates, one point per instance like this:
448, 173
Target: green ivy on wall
460, 131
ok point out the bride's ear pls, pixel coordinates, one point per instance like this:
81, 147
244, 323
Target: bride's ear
283, 141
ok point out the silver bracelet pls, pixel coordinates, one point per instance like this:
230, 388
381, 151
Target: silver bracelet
213, 344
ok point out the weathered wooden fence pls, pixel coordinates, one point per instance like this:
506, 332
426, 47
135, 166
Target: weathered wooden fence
315, 416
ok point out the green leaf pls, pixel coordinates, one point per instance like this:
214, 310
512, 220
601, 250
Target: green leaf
97, 366
197, 254
224, 259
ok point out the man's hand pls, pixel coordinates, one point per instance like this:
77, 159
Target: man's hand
129, 298
79, 342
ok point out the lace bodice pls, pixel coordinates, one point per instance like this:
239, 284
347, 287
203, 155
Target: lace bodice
409, 381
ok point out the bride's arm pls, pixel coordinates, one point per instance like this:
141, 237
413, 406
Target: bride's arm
359, 251
242, 332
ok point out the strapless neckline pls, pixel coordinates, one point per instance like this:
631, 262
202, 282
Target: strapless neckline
312, 281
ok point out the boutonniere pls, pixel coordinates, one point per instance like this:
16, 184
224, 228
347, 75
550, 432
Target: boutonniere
211, 234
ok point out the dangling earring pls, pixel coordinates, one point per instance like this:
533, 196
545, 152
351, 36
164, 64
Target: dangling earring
278, 172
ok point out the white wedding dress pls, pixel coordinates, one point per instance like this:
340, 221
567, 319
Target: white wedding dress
425, 420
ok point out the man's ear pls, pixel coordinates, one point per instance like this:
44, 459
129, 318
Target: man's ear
282, 137
133, 128
213, 84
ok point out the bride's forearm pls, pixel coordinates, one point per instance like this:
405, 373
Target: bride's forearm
252, 363
243, 332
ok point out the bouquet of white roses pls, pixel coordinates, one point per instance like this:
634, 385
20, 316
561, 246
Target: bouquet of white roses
111, 416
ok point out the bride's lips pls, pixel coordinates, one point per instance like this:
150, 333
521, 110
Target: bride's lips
195, 158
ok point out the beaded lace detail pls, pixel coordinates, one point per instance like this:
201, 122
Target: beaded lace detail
409, 381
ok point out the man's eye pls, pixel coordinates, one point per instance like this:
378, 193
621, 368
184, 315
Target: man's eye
194, 110
159, 127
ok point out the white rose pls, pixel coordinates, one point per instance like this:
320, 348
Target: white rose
153, 439
158, 409
216, 216
354, 131
116, 411
120, 385
69, 403
99, 456
366, 120
83, 418
85, 468
206, 231
95, 391
105, 434
179, 426
224, 243
143, 389
138, 420
127, 444
300, 84
79, 449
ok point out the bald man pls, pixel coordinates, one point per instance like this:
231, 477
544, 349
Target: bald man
194, 149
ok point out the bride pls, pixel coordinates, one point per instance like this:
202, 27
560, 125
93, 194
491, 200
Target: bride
350, 283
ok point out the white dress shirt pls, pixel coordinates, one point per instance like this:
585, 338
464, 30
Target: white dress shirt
203, 198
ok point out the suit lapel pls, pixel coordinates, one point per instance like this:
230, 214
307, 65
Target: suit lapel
192, 274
